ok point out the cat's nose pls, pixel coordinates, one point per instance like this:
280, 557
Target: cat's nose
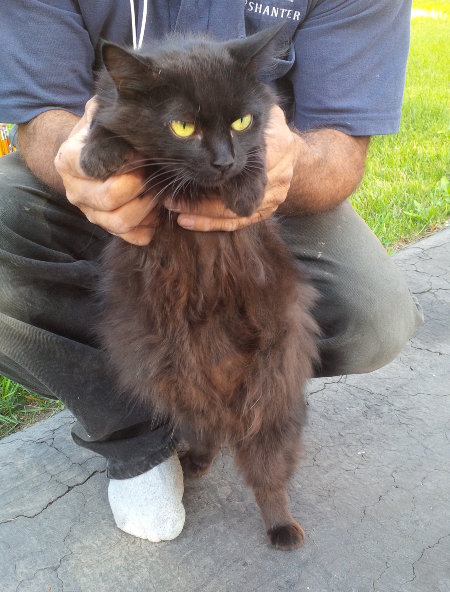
223, 164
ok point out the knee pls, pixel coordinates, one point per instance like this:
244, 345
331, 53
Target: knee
369, 333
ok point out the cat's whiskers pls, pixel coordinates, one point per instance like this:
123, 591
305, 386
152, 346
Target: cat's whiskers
252, 160
163, 189
168, 178
144, 166
159, 174
158, 160
253, 166
135, 166
183, 182
150, 183
173, 171
255, 150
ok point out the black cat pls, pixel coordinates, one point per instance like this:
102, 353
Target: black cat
214, 329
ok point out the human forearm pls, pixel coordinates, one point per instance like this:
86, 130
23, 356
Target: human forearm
39, 141
328, 167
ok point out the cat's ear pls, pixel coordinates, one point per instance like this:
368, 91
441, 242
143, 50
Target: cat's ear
255, 51
129, 72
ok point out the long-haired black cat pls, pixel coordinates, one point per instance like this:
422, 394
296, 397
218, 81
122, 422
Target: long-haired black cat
214, 329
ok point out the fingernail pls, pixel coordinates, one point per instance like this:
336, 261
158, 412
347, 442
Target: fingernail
186, 222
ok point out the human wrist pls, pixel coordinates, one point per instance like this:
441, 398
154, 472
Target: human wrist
293, 205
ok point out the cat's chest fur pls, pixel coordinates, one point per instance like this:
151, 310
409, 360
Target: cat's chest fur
200, 317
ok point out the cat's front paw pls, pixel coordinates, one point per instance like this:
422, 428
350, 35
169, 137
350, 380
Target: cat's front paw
103, 154
286, 537
243, 195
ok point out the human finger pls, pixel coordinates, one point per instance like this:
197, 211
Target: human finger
208, 207
139, 236
124, 218
208, 224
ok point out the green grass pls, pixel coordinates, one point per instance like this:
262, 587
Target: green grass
20, 408
405, 191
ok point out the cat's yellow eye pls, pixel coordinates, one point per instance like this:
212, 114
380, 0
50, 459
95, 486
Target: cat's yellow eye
184, 129
242, 123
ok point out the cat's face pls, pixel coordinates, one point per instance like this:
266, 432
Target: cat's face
194, 108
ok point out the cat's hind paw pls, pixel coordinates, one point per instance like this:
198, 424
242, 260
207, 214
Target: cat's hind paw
286, 537
194, 466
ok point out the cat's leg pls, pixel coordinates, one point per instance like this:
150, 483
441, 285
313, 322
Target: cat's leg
268, 460
243, 193
202, 450
104, 153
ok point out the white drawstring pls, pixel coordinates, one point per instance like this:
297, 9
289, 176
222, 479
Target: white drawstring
133, 24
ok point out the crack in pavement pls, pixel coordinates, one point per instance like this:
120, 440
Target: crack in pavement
431, 351
380, 576
80, 513
422, 554
24, 581
51, 502
56, 568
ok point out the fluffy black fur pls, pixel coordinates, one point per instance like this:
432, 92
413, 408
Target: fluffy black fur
213, 329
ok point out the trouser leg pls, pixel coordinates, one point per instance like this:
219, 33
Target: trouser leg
48, 272
366, 312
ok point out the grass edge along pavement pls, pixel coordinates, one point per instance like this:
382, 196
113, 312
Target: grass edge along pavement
20, 408
405, 191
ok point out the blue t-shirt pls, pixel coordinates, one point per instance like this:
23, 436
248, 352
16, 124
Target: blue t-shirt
345, 68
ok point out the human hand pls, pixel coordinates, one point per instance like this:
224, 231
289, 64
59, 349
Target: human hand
117, 204
211, 214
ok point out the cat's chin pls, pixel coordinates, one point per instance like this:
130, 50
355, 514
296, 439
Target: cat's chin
213, 185
217, 181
